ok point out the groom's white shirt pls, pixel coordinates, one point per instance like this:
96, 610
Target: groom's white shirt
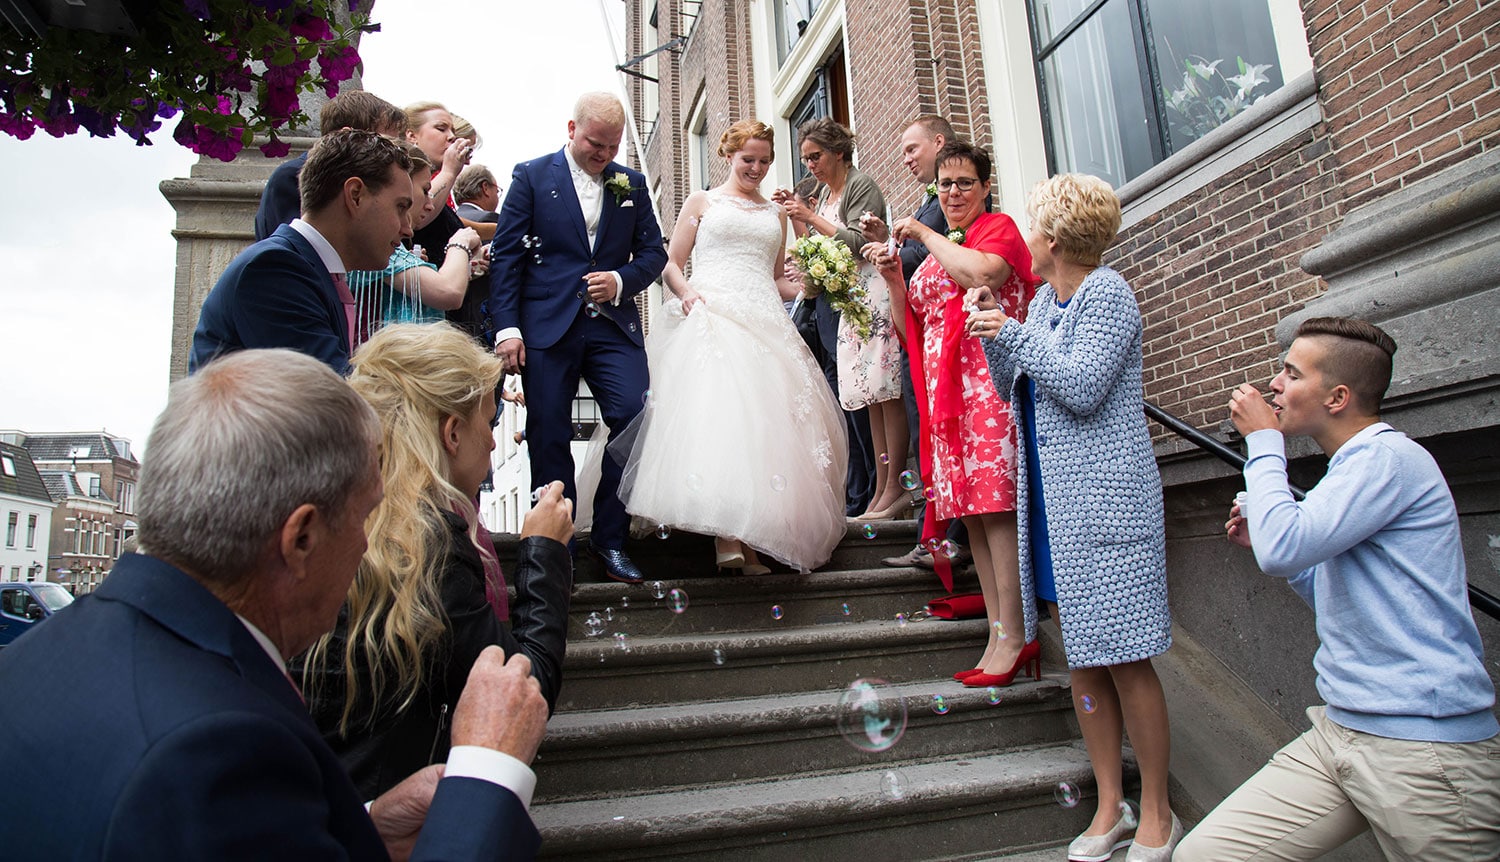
590, 191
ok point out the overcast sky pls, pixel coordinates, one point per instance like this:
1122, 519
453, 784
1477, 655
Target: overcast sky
86, 303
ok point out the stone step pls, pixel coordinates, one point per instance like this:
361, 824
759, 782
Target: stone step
609, 753
732, 603
688, 555
929, 809
608, 672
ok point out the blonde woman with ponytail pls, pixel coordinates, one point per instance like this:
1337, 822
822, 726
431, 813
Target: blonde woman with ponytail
422, 607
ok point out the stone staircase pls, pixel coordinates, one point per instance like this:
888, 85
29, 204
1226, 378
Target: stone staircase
705, 723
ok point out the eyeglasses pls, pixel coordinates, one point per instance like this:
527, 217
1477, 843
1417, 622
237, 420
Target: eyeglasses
965, 184
812, 157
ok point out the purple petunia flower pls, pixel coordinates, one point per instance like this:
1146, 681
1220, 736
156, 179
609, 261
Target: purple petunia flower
18, 126
275, 148
97, 124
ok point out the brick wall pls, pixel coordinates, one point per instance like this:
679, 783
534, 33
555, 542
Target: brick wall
1407, 87
905, 59
1215, 273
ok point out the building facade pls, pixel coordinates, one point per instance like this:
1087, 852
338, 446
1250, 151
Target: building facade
1275, 160
26, 508
92, 479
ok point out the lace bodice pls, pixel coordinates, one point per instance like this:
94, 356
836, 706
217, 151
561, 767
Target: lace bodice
735, 256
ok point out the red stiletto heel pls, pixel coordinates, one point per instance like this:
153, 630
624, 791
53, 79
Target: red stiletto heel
965, 674
1030, 657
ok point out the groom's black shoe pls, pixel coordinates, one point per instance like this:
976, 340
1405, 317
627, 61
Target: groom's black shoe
617, 566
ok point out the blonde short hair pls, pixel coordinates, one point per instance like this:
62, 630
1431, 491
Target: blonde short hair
600, 106
736, 136
1081, 213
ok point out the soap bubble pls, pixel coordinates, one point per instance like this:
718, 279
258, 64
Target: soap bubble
778, 483
776, 612
1000, 631
694, 482
646, 398
939, 704
845, 609
992, 694
868, 531
910, 480
1087, 702
592, 309
536, 258
593, 625
678, 600
658, 589
624, 602
948, 549
929, 493
901, 621
622, 642
871, 717
1067, 794
893, 786
663, 531
717, 657
884, 458
609, 614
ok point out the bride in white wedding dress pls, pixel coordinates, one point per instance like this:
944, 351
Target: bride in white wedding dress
740, 437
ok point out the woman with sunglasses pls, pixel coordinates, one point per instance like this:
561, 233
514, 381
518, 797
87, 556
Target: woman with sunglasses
967, 437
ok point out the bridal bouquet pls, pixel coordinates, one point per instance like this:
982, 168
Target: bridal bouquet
830, 266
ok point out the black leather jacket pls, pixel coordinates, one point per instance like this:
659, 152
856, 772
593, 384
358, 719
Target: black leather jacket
380, 755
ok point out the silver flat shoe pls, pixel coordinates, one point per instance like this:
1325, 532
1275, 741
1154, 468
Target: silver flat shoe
1099, 848
1142, 853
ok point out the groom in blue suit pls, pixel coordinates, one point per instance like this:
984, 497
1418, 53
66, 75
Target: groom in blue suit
577, 241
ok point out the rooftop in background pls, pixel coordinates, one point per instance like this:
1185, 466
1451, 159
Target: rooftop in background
79, 446
19, 476
62, 485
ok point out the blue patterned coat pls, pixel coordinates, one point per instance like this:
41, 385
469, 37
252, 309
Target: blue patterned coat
1099, 477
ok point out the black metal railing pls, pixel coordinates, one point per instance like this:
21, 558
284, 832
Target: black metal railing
1478, 598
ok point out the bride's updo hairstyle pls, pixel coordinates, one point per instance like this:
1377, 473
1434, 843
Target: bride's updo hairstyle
734, 138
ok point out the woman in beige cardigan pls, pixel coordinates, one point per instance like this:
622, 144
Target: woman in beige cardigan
869, 368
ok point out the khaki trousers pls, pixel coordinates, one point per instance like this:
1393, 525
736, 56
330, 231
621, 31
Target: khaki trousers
1428, 801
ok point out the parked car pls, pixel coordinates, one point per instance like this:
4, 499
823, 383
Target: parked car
25, 605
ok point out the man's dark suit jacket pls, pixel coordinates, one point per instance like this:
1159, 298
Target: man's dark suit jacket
281, 201
277, 293
145, 722
541, 251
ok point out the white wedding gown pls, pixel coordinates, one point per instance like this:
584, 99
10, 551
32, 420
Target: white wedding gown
740, 435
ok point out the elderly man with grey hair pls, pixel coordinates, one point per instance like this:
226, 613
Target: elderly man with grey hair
158, 720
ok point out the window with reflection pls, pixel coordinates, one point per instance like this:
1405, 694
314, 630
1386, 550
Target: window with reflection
792, 17
1126, 83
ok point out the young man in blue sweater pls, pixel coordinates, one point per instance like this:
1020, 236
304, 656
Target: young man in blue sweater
1407, 745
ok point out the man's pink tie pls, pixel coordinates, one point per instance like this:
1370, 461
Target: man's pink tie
341, 284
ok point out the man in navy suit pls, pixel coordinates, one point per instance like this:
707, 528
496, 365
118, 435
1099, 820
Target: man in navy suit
290, 290
154, 719
577, 242
280, 201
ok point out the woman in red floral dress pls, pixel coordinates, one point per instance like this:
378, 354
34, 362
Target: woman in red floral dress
967, 436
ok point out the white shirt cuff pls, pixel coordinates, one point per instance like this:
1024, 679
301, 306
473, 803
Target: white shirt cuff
507, 333
496, 767
619, 288
1266, 441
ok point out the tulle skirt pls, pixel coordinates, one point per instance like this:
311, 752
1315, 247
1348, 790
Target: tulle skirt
740, 435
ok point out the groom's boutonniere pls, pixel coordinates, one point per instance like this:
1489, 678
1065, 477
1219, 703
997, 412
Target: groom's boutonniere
620, 185
956, 236
932, 190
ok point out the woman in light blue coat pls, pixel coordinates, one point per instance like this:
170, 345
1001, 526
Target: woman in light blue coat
1089, 499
